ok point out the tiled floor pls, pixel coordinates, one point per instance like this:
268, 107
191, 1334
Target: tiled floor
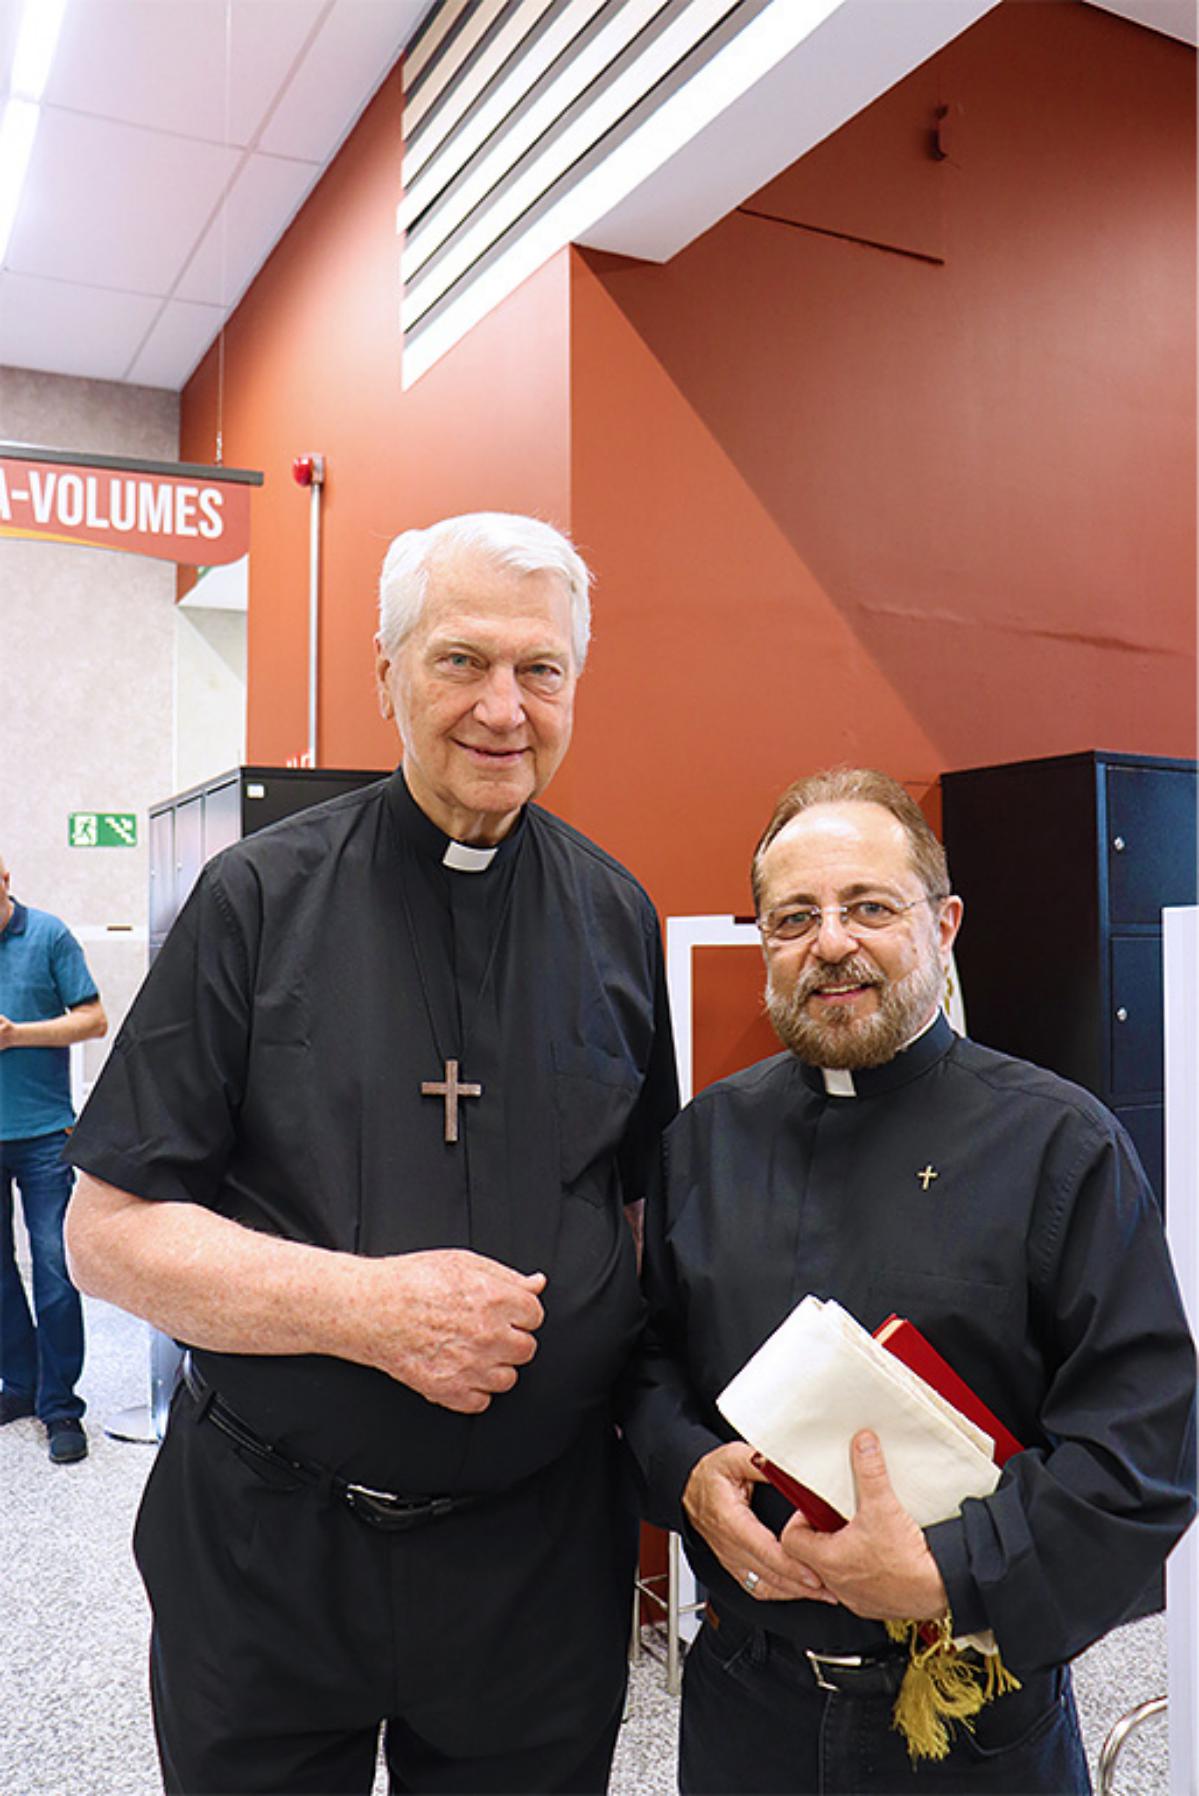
74, 1718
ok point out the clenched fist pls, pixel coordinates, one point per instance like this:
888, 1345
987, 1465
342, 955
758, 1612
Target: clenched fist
452, 1324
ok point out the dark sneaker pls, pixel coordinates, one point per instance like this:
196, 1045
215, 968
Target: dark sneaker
68, 1442
13, 1406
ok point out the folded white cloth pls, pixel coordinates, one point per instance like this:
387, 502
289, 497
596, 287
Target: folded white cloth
821, 1377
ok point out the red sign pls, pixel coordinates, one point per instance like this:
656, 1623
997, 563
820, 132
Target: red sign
199, 516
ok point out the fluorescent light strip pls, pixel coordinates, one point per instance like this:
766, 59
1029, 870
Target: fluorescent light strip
18, 128
37, 38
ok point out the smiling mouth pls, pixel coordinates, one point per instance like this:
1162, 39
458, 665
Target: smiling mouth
496, 756
840, 994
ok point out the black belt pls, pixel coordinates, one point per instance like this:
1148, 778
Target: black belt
384, 1509
848, 1674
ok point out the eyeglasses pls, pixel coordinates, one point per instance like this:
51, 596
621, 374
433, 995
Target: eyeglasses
861, 916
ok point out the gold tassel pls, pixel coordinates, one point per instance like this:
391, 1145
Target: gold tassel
941, 1686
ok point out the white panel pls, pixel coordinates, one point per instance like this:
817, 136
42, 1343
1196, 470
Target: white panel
419, 58
225, 588
467, 91
178, 338
489, 114
1180, 982
540, 173
113, 205
162, 63
352, 55
448, 66
68, 329
585, 67
265, 197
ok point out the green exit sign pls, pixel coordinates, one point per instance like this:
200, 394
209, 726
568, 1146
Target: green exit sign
102, 829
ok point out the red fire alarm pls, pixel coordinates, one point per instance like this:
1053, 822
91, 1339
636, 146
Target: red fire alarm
308, 470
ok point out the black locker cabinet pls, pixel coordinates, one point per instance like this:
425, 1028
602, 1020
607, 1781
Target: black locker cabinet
1065, 866
187, 830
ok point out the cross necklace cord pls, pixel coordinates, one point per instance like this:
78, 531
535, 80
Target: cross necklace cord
451, 1087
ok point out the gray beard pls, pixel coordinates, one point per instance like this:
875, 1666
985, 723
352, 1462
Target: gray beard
839, 1040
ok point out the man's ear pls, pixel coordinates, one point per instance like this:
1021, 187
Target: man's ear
949, 923
387, 708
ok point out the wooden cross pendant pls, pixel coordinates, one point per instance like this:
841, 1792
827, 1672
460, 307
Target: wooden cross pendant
451, 1090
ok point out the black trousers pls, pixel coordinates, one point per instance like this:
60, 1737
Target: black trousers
489, 1645
756, 1723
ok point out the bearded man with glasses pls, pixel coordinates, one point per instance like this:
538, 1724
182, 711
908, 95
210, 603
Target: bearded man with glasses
889, 1164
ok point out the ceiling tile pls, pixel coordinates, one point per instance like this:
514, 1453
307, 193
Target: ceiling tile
264, 199
355, 48
68, 329
181, 334
114, 205
165, 63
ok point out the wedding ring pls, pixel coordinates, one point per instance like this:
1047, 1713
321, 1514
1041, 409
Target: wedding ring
751, 1580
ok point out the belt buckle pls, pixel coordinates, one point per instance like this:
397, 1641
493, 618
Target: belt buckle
385, 1509
844, 1661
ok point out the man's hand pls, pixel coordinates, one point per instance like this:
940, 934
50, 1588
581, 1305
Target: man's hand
8, 1033
717, 1500
452, 1324
878, 1565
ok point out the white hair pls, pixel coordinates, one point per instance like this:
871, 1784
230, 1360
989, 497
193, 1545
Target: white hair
521, 545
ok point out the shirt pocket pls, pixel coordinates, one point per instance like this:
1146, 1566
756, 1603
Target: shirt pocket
930, 1299
595, 1093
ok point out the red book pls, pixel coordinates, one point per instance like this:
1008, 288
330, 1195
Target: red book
905, 1341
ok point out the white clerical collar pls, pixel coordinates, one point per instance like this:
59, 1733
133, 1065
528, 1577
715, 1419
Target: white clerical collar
464, 859
838, 1081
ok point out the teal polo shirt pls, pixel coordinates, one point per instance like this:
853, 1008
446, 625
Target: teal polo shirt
42, 974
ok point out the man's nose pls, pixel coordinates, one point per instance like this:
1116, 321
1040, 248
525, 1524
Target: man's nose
833, 941
500, 706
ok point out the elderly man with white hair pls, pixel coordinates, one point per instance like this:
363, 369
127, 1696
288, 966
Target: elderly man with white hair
365, 1145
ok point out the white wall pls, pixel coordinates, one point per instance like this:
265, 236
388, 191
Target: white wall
86, 652
210, 693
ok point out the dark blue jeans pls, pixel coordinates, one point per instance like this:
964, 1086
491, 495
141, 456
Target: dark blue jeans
755, 1722
42, 1362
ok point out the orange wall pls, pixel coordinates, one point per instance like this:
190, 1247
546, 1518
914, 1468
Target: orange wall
895, 464
925, 504
312, 363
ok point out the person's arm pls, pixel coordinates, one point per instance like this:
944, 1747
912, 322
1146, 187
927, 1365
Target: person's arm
83, 1022
451, 1324
1077, 1527
690, 1475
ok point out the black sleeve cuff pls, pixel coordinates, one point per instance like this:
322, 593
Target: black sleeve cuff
946, 1542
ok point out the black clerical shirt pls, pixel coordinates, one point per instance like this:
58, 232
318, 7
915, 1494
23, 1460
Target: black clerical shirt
271, 1070
1002, 1211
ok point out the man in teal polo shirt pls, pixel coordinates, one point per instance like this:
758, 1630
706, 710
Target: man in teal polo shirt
48, 999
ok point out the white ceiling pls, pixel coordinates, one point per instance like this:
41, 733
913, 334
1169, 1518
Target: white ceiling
178, 139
